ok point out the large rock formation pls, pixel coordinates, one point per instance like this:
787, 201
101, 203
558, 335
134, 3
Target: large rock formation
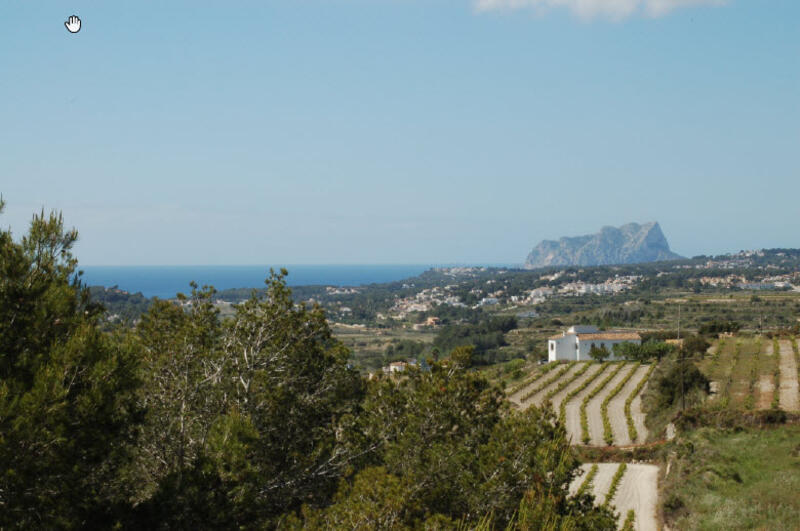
628, 244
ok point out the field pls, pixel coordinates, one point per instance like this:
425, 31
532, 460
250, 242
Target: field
599, 403
753, 373
368, 345
635, 488
742, 479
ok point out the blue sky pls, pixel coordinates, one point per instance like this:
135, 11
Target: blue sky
405, 131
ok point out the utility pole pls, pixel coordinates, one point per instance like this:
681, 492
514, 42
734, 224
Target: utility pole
680, 360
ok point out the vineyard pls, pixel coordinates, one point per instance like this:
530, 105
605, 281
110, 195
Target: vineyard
754, 373
600, 404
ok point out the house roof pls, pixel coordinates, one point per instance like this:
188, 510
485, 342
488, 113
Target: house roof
611, 336
557, 336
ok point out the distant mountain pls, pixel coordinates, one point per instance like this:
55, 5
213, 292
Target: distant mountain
628, 244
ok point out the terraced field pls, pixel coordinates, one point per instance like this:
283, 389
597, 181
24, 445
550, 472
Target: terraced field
633, 489
600, 404
754, 373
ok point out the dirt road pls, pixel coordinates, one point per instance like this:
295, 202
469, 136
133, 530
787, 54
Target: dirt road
593, 413
789, 399
616, 408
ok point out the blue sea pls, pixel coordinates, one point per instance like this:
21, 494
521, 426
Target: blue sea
166, 281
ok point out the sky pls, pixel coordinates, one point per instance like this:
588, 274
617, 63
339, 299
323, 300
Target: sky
399, 131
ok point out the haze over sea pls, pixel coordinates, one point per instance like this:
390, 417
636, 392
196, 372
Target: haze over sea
166, 281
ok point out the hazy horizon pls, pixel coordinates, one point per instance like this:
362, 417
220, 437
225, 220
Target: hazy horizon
456, 131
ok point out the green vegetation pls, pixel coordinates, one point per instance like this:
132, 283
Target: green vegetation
608, 433
776, 375
649, 350
630, 521
632, 432
587, 482
486, 336
750, 399
192, 420
584, 421
615, 481
734, 479
599, 354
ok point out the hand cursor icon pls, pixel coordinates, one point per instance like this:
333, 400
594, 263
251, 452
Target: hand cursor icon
73, 24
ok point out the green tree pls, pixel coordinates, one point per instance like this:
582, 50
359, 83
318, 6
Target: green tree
461, 357
446, 447
249, 410
293, 384
184, 373
67, 391
599, 354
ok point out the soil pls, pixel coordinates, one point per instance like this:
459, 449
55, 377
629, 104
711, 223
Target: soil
789, 399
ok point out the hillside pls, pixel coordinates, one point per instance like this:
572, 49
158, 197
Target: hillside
629, 244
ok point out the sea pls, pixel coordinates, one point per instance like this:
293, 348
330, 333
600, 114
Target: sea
166, 281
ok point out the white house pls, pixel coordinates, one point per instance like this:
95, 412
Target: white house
577, 341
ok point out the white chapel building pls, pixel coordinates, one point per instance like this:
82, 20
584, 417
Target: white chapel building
577, 341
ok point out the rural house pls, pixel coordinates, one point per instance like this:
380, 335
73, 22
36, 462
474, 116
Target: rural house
575, 343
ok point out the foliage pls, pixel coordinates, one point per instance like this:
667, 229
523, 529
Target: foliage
67, 409
695, 345
679, 376
587, 482
440, 442
630, 521
746, 478
599, 354
615, 481
486, 336
717, 327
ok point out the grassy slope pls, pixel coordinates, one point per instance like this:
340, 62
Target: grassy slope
730, 480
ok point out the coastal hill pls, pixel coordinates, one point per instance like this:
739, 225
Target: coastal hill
629, 244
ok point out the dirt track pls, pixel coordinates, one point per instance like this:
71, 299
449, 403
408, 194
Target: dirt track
573, 411
638, 490
789, 399
593, 412
616, 408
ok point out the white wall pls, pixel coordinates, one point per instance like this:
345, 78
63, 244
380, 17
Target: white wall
562, 348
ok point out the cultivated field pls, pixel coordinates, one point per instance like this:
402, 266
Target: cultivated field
633, 491
754, 373
600, 404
